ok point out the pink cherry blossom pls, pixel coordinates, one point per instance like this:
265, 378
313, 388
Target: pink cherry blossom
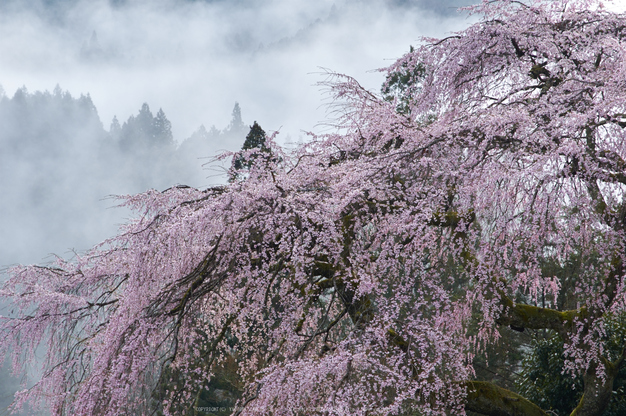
362, 272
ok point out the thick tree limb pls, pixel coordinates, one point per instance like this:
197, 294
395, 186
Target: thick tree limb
490, 400
597, 390
519, 315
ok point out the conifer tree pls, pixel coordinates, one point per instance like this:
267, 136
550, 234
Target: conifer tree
254, 140
163, 129
115, 130
236, 122
236, 128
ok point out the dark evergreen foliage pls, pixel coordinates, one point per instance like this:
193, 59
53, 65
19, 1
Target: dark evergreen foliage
403, 84
544, 381
254, 140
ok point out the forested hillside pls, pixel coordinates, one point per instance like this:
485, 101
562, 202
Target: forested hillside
58, 163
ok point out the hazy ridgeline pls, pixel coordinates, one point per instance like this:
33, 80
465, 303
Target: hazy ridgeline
58, 164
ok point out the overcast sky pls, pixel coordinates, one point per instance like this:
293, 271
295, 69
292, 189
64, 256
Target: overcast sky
194, 59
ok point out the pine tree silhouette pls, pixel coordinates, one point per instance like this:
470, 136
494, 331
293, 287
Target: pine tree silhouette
254, 140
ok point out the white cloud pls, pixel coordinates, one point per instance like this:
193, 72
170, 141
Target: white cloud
195, 59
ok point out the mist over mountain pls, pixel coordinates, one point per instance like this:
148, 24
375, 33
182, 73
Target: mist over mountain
57, 163
58, 9
46, 165
193, 59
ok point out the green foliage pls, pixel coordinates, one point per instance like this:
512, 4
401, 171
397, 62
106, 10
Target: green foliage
402, 84
254, 140
544, 382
